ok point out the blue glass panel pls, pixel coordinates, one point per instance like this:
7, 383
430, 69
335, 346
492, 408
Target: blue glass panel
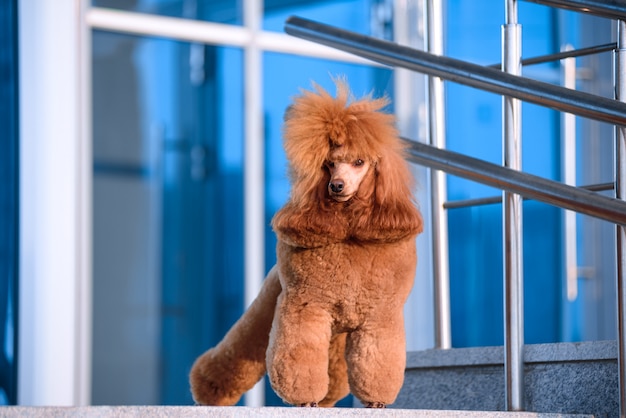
221, 11
347, 14
474, 128
168, 212
9, 200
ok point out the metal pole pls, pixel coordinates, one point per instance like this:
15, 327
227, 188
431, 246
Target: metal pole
569, 53
436, 106
209, 33
474, 75
253, 173
568, 153
464, 203
611, 9
528, 185
84, 324
620, 191
512, 221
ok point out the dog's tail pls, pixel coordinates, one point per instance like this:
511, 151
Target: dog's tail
225, 372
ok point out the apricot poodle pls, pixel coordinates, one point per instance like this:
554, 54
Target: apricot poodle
329, 318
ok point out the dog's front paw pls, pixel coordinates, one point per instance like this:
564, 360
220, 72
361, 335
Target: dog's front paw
375, 405
308, 405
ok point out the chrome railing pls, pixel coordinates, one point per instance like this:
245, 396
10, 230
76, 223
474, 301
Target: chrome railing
620, 192
611, 9
514, 183
438, 184
528, 185
462, 72
512, 217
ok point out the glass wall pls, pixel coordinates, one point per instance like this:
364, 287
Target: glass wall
593, 314
474, 128
168, 222
9, 201
220, 11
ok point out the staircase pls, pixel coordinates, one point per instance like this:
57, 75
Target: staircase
565, 378
561, 380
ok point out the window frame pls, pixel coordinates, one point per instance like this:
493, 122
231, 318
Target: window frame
56, 164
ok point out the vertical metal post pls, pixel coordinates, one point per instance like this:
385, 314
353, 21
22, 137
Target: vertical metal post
436, 106
84, 324
568, 152
253, 173
620, 190
512, 222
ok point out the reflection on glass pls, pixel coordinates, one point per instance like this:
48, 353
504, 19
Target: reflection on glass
347, 14
222, 11
475, 233
167, 212
9, 202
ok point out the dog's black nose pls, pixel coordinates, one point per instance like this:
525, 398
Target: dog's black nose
336, 186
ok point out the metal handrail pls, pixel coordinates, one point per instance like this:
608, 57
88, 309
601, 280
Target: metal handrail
438, 185
490, 200
611, 9
528, 185
474, 75
619, 158
572, 53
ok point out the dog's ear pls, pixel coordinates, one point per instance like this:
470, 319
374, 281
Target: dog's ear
310, 226
393, 214
308, 220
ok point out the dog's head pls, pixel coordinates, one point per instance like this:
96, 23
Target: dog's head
335, 142
347, 167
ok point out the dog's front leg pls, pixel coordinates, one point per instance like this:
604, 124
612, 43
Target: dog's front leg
376, 357
297, 355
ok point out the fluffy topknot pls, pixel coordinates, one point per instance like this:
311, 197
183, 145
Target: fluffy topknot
316, 123
383, 209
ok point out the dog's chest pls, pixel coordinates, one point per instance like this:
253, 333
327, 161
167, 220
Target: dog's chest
350, 280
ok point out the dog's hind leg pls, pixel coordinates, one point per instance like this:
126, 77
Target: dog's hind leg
225, 372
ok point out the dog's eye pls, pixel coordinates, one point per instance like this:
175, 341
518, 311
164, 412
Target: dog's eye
330, 164
359, 162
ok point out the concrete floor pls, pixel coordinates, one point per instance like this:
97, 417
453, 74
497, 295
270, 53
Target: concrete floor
244, 412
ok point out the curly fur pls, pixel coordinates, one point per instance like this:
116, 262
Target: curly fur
329, 317
384, 212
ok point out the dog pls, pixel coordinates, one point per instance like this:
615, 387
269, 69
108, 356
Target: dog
329, 317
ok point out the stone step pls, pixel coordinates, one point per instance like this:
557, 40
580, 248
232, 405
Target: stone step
569, 378
561, 380
245, 412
